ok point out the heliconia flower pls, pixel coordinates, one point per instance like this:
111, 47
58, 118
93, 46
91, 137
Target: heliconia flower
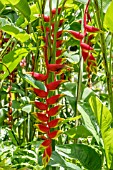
54, 99
60, 60
42, 128
60, 23
59, 33
59, 43
42, 137
54, 110
54, 85
40, 93
40, 105
85, 54
76, 34
55, 67
54, 10
91, 28
45, 17
38, 76
86, 46
55, 123
46, 143
59, 52
54, 134
46, 155
42, 28
41, 117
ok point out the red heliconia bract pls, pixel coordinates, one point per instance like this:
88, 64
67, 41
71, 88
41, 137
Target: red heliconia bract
53, 11
59, 43
55, 123
91, 28
40, 93
76, 34
42, 117
38, 76
42, 128
85, 55
59, 52
86, 46
54, 134
54, 99
47, 155
54, 110
58, 35
40, 105
55, 67
46, 143
54, 85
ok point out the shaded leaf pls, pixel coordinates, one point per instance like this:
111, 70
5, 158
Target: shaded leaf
88, 157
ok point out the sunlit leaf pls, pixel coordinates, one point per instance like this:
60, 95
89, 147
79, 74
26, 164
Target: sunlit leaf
104, 119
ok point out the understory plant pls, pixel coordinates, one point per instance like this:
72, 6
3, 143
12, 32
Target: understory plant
56, 95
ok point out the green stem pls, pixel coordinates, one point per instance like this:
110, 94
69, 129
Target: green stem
104, 55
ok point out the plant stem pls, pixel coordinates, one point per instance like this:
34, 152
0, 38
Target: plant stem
104, 55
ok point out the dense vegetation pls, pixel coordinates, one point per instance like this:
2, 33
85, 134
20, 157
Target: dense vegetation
56, 84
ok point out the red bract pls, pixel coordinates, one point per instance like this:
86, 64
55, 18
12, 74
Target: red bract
40, 93
54, 99
42, 117
42, 128
41, 105
54, 134
39, 76
59, 43
45, 17
54, 85
54, 110
55, 67
59, 33
59, 52
91, 28
76, 35
85, 55
86, 46
55, 123
46, 143
47, 155
54, 10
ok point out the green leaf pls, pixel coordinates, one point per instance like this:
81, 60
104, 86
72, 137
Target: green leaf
76, 132
21, 5
104, 119
58, 161
11, 60
27, 108
1, 6
88, 124
33, 82
87, 156
13, 137
108, 19
14, 31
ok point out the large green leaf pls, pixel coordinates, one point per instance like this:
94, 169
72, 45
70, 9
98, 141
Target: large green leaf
88, 123
21, 5
104, 119
58, 161
11, 60
87, 156
108, 19
12, 30
75, 132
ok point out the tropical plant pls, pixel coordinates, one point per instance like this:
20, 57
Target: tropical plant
56, 88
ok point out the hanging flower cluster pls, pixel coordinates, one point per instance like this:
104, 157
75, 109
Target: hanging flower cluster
85, 39
48, 106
